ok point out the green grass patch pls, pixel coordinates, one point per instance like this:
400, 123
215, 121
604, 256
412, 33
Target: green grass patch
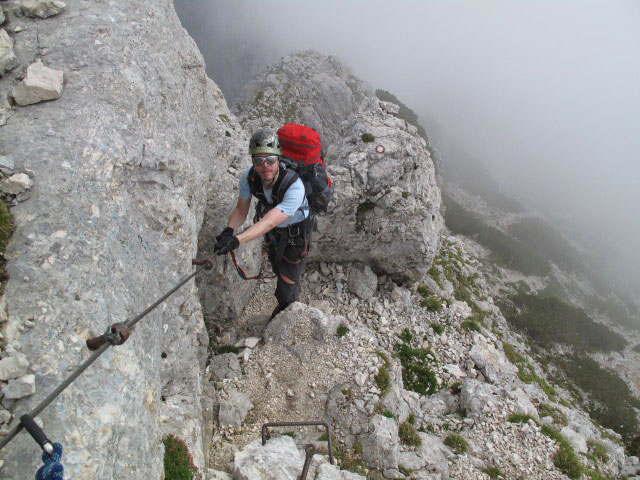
470, 326
417, 376
520, 418
408, 435
342, 330
546, 410
368, 138
178, 463
7, 228
437, 328
387, 413
434, 273
548, 320
493, 472
351, 461
383, 378
526, 373
220, 349
598, 451
567, 461
456, 443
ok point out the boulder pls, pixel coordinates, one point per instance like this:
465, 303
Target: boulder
380, 446
479, 398
234, 409
41, 83
224, 366
386, 206
278, 459
7, 166
8, 59
491, 361
20, 387
430, 457
300, 329
362, 282
41, 8
13, 367
15, 184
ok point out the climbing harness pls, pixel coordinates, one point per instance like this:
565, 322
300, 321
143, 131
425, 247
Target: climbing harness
300, 424
116, 334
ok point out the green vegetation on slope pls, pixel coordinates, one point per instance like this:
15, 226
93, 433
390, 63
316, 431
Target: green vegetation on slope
511, 252
549, 320
609, 400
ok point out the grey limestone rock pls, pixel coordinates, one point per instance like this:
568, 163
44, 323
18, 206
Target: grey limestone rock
491, 361
362, 281
299, 324
2, 17
41, 83
41, 8
224, 366
430, 457
304, 87
326, 471
15, 184
13, 367
20, 387
211, 474
128, 153
234, 409
7, 165
577, 441
479, 398
8, 59
386, 207
380, 446
278, 459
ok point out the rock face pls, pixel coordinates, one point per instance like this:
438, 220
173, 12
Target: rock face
305, 87
121, 167
386, 207
385, 212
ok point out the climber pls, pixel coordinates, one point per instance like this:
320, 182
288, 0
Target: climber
282, 215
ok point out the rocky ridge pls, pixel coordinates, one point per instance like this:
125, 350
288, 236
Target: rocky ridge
304, 371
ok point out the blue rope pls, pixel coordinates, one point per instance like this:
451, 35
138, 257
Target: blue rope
52, 469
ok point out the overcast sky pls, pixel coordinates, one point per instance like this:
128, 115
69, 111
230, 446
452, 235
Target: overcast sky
546, 93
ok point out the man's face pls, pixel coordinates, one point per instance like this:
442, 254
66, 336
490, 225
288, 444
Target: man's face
267, 173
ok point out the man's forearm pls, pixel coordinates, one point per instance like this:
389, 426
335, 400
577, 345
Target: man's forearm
236, 218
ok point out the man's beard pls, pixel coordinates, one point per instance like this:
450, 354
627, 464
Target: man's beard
269, 185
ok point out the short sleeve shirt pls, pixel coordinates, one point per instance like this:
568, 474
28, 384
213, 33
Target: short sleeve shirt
294, 198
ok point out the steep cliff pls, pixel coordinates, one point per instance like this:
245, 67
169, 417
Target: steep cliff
120, 166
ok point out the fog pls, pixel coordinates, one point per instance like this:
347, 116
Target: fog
545, 93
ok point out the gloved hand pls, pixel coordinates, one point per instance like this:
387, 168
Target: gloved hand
225, 233
226, 244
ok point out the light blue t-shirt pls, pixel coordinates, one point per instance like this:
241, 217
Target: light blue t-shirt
294, 198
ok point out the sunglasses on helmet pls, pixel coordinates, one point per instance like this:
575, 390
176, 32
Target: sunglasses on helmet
270, 160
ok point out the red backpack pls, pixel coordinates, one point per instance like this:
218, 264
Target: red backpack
301, 151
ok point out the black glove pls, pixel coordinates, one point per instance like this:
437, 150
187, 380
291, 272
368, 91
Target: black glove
225, 233
226, 244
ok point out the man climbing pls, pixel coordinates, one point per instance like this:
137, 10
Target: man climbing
282, 215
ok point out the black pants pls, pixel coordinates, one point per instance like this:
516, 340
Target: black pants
292, 261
